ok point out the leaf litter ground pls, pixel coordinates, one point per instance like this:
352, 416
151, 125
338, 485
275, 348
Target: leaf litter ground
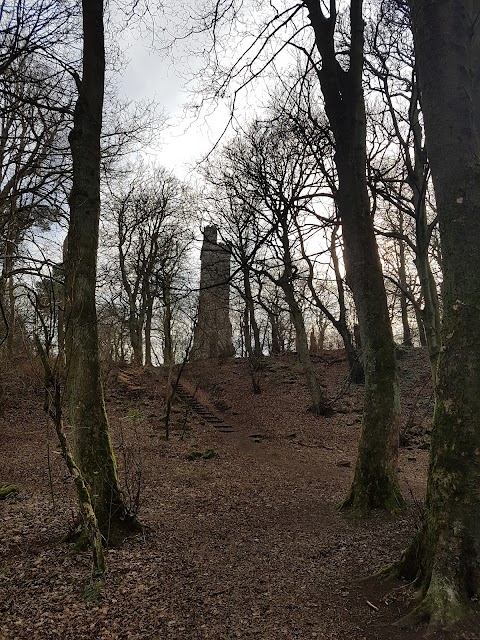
245, 542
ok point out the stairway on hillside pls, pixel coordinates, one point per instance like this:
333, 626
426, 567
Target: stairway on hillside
201, 410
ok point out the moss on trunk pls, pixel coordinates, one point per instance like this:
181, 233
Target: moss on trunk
86, 411
444, 557
375, 484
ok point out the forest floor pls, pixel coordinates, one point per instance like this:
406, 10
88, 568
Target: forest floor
247, 543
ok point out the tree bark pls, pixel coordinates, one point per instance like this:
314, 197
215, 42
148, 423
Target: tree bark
418, 177
430, 314
92, 445
375, 484
354, 363
168, 355
253, 330
319, 403
276, 346
61, 306
135, 327
148, 331
445, 554
11, 318
250, 325
421, 329
402, 277
6, 282
53, 408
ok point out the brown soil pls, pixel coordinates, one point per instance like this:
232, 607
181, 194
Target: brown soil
245, 544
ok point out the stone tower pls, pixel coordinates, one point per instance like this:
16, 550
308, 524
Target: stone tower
213, 333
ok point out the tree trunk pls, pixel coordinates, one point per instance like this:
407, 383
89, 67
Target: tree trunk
257, 347
445, 555
418, 178
148, 332
60, 302
53, 408
254, 361
92, 444
430, 313
7, 284
11, 318
135, 328
355, 365
276, 346
319, 403
3, 315
168, 356
402, 277
421, 328
375, 484
253, 330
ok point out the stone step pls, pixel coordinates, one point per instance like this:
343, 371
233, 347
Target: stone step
218, 423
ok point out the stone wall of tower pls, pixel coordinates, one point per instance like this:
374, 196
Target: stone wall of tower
213, 333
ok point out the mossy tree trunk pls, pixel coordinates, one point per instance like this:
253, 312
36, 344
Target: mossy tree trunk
53, 409
445, 554
375, 484
86, 410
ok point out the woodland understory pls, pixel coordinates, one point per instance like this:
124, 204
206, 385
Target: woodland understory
248, 543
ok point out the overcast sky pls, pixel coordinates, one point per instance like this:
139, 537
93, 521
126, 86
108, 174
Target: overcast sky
152, 74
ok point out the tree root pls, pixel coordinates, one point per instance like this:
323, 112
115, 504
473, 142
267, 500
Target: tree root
390, 571
119, 529
441, 607
361, 501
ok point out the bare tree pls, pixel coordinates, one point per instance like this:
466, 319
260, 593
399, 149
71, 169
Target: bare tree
271, 174
30, 27
298, 104
398, 163
150, 238
34, 163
